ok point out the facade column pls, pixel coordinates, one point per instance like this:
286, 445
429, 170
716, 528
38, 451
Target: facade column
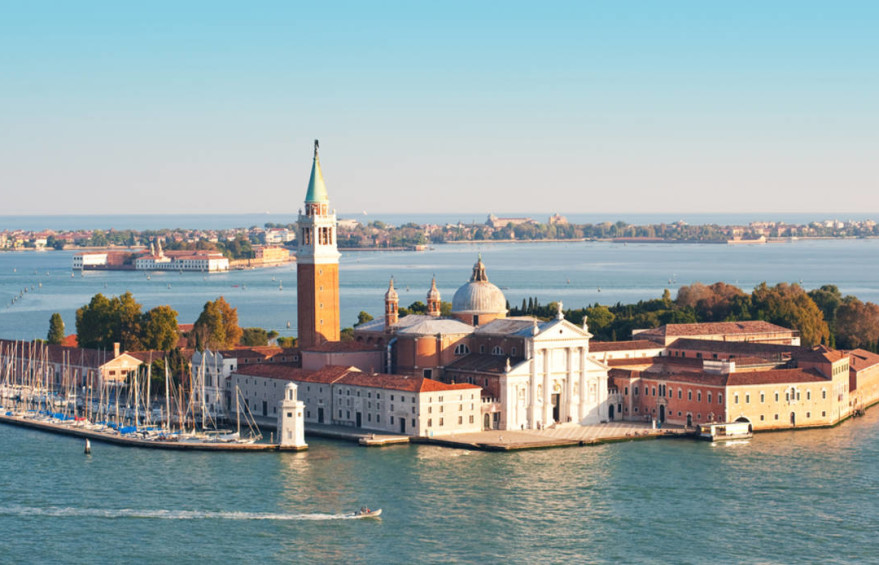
547, 387
582, 371
569, 412
532, 408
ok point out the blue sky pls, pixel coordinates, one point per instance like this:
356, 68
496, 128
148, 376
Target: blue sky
124, 107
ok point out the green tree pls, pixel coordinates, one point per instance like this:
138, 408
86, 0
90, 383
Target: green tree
159, 328
788, 305
56, 329
218, 325
363, 317
254, 336
287, 342
828, 298
95, 324
347, 334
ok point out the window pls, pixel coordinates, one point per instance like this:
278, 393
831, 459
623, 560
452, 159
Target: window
513, 353
626, 391
761, 398
392, 421
441, 421
392, 398
808, 397
747, 399
482, 349
497, 350
428, 373
709, 398
429, 422
689, 395
823, 394
636, 390
460, 420
776, 416
462, 349
471, 418
699, 395
654, 391
761, 417
680, 394
808, 414
736, 399
776, 396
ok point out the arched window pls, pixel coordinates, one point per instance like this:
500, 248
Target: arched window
497, 350
462, 349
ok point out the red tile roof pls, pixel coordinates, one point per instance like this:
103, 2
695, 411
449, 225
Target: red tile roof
862, 359
602, 346
776, 376
716, 328
343, 346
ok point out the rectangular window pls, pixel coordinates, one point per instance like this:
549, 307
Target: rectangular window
761, 398
680, 394
689, 395
460, 420
747, 399
709, 398
429, 422
699, 395
471, 416
808, 396
736, 399
441, 422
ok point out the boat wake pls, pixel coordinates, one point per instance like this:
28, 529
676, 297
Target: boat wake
147, 514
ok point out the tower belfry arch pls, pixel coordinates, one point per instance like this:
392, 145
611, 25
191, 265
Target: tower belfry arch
317, 264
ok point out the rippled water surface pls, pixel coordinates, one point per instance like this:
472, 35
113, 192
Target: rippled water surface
807, 496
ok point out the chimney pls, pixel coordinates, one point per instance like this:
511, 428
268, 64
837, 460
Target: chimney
115, 349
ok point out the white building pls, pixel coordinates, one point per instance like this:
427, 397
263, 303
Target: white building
81, 260
370, 402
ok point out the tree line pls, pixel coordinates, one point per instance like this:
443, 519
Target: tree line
822, 316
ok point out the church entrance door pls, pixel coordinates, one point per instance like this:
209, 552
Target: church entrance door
556, 407
610, 412
661, 414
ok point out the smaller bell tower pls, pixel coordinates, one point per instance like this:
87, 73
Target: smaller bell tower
434, 303
392, 306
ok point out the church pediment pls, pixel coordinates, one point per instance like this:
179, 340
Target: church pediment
560, 330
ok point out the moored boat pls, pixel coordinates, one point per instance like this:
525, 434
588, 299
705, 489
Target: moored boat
726, 431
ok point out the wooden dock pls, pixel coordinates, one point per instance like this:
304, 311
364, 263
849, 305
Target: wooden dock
126, 441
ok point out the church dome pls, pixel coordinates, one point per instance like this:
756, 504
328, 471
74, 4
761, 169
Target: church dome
479, 296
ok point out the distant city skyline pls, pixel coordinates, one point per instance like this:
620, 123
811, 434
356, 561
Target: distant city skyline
577, 108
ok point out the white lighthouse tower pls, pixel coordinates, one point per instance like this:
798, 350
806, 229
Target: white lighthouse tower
291, 422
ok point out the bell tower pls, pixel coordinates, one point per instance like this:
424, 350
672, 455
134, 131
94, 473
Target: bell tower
434, 303
317, 265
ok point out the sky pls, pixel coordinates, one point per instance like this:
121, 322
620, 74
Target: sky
439, 106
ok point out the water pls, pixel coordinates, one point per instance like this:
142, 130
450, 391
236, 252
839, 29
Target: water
806, 496
578, 273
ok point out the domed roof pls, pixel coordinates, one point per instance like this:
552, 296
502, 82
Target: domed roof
479, 296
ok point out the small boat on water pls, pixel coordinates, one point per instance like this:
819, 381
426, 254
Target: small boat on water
726, 431
365, 512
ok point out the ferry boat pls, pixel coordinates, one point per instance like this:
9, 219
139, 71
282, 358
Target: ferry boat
726, 431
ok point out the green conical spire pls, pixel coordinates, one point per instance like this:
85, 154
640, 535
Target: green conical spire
317, 190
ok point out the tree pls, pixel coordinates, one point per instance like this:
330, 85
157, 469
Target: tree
828, 298
857, 324
287, 342
254, 336
218, 325
56, 329
363, 317
128, 317
347, 334
788, 305
159, 328
95, 324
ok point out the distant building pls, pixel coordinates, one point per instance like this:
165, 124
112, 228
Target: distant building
557, 220
495, 222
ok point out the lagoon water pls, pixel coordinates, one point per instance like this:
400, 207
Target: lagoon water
578, 273
806, 496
